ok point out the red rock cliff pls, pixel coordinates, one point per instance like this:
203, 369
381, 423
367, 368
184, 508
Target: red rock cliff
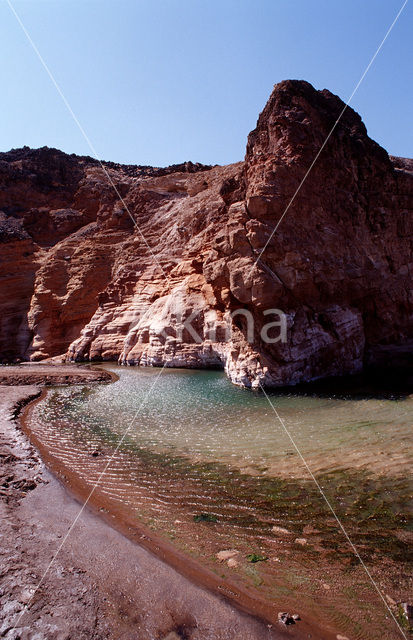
78, 278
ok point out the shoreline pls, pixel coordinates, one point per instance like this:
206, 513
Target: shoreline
47, 374
116, 517
39, 509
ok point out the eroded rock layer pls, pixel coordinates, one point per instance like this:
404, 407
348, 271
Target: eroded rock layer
194, 281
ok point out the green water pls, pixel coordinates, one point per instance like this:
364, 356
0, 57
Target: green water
201, 415
191, 439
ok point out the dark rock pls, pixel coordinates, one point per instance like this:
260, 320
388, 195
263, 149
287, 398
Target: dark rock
205, 517
287, 618
256, 557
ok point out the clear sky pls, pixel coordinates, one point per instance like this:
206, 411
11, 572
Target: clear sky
164, 81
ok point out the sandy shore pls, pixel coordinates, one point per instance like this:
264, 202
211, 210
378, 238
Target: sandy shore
102, 585
46, 374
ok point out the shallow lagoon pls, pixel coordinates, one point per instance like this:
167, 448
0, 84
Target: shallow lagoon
199, 414
196, 444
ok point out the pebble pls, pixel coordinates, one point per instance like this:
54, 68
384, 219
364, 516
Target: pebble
27, 595
408, 611
288, 618
277, 529
308, 529
301, 541
222, 556
232, 563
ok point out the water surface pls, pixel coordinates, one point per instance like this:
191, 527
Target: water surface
201, 415
210, 466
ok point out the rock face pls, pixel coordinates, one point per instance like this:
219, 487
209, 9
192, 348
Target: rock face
195, 282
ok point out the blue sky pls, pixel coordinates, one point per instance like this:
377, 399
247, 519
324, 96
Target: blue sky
164, 81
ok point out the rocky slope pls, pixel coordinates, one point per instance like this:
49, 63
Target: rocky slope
187, 284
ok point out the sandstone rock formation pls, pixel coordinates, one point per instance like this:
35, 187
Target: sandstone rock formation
78, 278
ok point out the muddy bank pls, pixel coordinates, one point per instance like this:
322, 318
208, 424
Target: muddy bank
46, 374
101, 585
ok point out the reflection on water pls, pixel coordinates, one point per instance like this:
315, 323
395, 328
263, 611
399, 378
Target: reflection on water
198, 445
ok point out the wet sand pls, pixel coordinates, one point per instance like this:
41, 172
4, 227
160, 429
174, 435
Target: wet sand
102, 584
46, 374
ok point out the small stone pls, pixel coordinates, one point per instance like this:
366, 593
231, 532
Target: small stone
326, 586
308, 529
339, 637
27, 595
407, 611
222, 556
232, 563
256, 557
205, 517
285, 618
295, 616
281, 530
301, 541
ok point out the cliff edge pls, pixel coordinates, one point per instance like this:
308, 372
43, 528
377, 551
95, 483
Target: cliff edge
202, 279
